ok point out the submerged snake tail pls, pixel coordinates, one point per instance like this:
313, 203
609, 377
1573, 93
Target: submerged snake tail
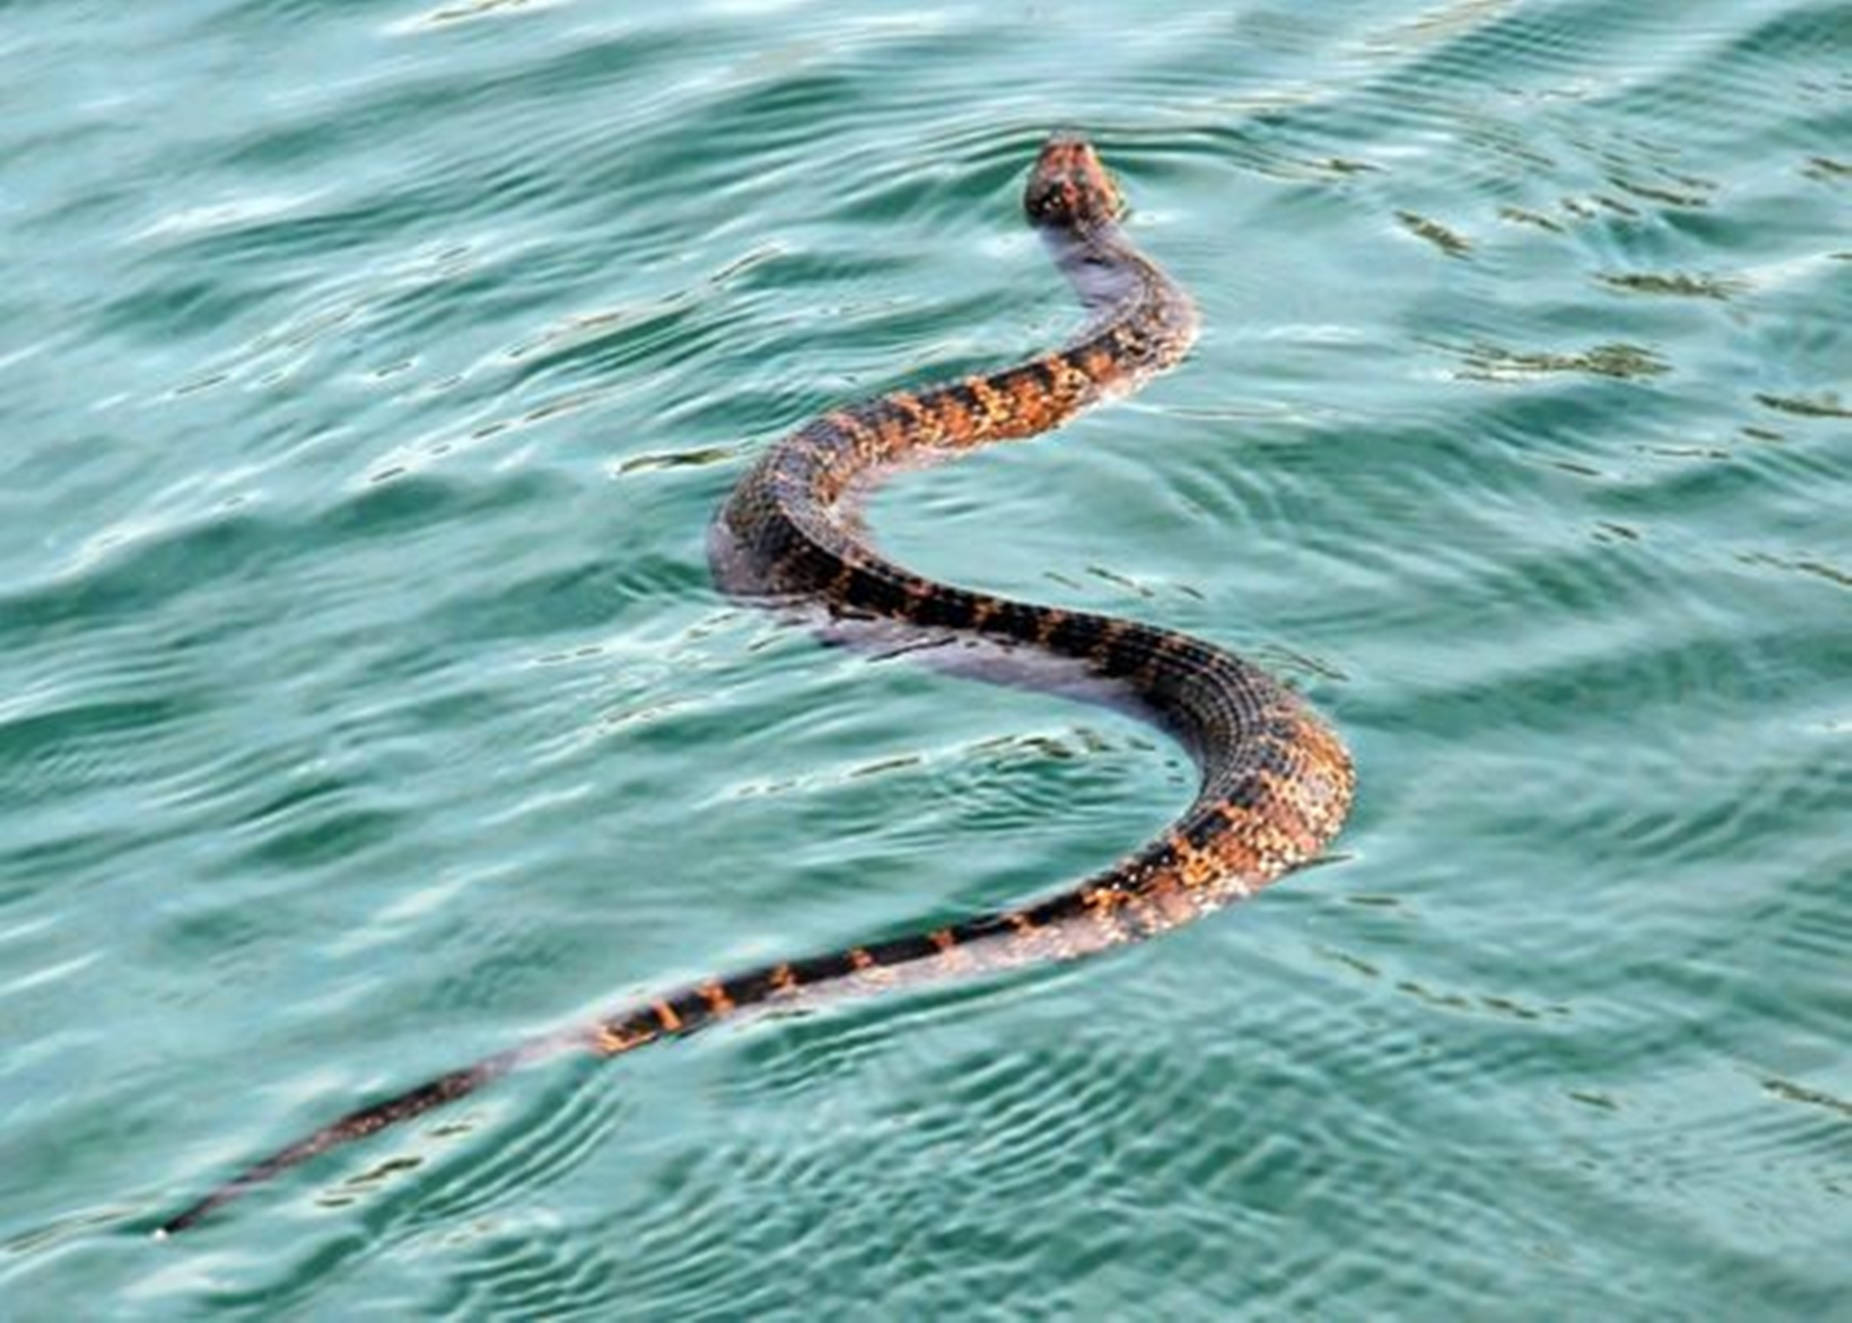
356, 1124
1276, 781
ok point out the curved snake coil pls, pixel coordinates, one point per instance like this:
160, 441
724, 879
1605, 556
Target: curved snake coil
1276, 782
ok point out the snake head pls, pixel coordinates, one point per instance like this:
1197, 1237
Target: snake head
1070, 188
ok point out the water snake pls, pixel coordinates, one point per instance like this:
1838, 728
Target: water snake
1276, 782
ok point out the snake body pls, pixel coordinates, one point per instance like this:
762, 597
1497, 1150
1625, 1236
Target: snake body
1276, 781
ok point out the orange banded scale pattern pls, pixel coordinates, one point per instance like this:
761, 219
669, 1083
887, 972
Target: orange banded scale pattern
1276, 781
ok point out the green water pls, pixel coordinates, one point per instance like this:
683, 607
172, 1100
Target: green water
368, 375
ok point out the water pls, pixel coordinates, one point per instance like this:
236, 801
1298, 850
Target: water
369, 373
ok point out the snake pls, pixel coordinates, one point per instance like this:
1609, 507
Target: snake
1276, 780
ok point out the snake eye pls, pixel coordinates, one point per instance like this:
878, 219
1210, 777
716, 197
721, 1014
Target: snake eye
1043, 201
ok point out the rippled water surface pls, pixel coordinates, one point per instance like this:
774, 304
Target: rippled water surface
369, 373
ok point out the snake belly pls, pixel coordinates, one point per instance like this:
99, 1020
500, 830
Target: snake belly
1276, 782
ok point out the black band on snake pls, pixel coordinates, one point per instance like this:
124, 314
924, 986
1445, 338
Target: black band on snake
1276, 782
